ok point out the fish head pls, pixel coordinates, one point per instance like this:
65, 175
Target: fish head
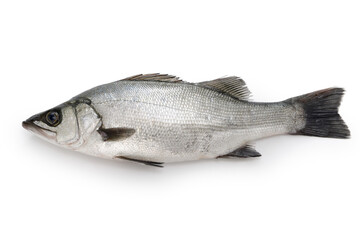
68, 125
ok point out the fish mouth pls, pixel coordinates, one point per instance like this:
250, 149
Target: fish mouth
31, 126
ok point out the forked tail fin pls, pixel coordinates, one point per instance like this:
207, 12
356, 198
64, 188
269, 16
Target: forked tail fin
321, 113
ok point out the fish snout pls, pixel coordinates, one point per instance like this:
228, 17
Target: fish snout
31, 124
36, 117
28, 123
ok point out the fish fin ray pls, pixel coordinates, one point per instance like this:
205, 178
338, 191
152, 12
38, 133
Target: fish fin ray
148, 163
321, 113
113, 134
234, 86
154, 77
243, 152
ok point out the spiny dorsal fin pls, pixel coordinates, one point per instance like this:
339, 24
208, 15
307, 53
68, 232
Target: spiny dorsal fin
154, 77
233, 86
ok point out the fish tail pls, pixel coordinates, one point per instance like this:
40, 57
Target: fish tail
320, 110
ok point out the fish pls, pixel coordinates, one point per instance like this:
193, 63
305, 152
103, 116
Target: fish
154, 119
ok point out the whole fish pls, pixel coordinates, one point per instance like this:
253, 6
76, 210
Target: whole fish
158, 118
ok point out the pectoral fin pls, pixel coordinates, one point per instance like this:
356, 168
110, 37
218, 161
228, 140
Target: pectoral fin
149, 163
114, 134
243, 152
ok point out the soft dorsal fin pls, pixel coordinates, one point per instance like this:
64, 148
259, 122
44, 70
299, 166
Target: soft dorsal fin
154, 77
233, 86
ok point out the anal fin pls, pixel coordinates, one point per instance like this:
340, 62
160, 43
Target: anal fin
149, 163
243, 152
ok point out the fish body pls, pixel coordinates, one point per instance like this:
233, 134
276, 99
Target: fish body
155, 119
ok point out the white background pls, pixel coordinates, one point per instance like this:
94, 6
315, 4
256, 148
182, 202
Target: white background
301, 188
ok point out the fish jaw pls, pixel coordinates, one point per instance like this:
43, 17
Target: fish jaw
30, 125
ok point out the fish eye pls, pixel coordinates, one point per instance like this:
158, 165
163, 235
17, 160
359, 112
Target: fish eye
53, 118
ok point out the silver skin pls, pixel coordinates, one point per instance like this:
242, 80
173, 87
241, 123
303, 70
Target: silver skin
173, 120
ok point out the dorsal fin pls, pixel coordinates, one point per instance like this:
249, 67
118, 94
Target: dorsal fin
233, 86
154, 77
